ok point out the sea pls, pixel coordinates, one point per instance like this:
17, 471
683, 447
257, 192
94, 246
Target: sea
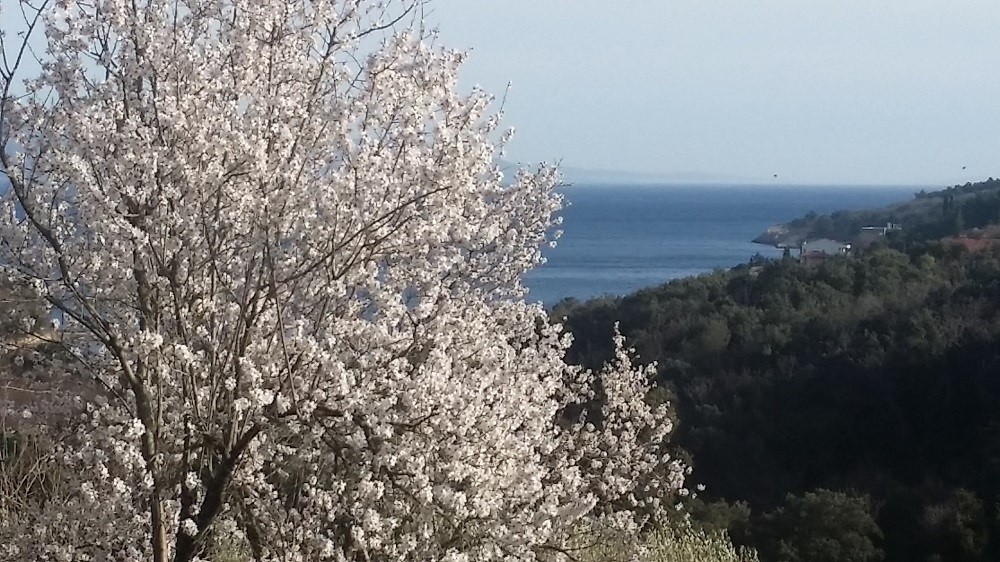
620, 238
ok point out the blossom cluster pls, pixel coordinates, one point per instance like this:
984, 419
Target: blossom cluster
285, 260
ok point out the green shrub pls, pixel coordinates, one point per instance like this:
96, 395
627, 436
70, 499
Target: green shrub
10, 443
822, 526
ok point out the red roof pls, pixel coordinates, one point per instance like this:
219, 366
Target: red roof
973, 244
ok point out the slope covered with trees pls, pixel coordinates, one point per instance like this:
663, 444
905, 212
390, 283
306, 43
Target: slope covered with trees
929, 216
876, 377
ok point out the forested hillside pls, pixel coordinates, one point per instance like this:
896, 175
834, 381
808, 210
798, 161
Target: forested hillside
822, 401
928, 216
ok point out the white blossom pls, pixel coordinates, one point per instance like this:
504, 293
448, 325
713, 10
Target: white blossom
289, 267
189, 527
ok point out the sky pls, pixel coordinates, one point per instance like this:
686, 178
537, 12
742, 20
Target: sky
815, 91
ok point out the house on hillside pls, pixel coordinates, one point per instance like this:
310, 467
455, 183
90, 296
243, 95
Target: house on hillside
817, 251
871, 234
881, 230
972, 245
975, 240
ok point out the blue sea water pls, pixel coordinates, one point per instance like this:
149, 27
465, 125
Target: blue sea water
618, 239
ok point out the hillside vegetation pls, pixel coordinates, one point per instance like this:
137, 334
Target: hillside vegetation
928, 216
847, 408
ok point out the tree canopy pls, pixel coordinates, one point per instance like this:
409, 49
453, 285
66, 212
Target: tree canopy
874, 375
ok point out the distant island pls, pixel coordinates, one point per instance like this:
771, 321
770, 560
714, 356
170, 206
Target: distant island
580, 176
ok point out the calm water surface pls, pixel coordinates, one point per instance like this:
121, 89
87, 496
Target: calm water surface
618, 239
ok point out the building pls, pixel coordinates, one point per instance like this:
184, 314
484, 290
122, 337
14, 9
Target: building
881, 230
976, 240
817, 251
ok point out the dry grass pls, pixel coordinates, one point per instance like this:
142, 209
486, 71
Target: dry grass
29, 475
678, 543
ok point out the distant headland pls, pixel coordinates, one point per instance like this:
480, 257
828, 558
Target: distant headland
929, 215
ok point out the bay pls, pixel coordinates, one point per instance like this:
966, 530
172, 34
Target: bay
620, 238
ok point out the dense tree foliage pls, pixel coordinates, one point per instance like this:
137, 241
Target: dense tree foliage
876, 374
821, 526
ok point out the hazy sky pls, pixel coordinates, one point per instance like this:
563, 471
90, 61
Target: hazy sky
819, 91
840, 91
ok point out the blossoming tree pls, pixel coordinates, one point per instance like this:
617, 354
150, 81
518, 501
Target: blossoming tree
285, 260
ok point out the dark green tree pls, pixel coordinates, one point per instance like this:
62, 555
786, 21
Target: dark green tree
822, 526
